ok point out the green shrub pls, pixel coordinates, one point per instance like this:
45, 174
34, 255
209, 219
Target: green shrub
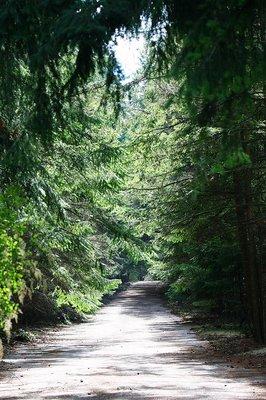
14, 260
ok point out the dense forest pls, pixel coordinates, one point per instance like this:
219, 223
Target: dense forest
106, 181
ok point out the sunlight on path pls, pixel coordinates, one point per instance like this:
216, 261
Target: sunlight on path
132, 349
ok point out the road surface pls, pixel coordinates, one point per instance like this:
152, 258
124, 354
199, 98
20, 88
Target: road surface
134, 348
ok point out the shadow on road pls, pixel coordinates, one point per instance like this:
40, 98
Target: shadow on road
132, 349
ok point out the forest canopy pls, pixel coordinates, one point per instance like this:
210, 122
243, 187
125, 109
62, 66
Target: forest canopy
104, 181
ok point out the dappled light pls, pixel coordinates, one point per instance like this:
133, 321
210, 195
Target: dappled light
134, 348
132, 199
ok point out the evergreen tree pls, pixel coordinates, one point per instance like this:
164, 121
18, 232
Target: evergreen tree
63, 164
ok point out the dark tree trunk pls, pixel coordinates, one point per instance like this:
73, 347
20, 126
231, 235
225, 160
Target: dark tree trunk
253, 276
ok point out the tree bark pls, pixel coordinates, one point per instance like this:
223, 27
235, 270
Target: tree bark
253, 276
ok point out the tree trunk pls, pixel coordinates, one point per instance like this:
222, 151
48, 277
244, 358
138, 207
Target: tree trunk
253, 277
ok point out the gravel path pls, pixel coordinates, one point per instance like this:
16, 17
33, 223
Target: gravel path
132, 349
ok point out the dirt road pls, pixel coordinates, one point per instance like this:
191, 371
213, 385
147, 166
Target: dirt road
132, 349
